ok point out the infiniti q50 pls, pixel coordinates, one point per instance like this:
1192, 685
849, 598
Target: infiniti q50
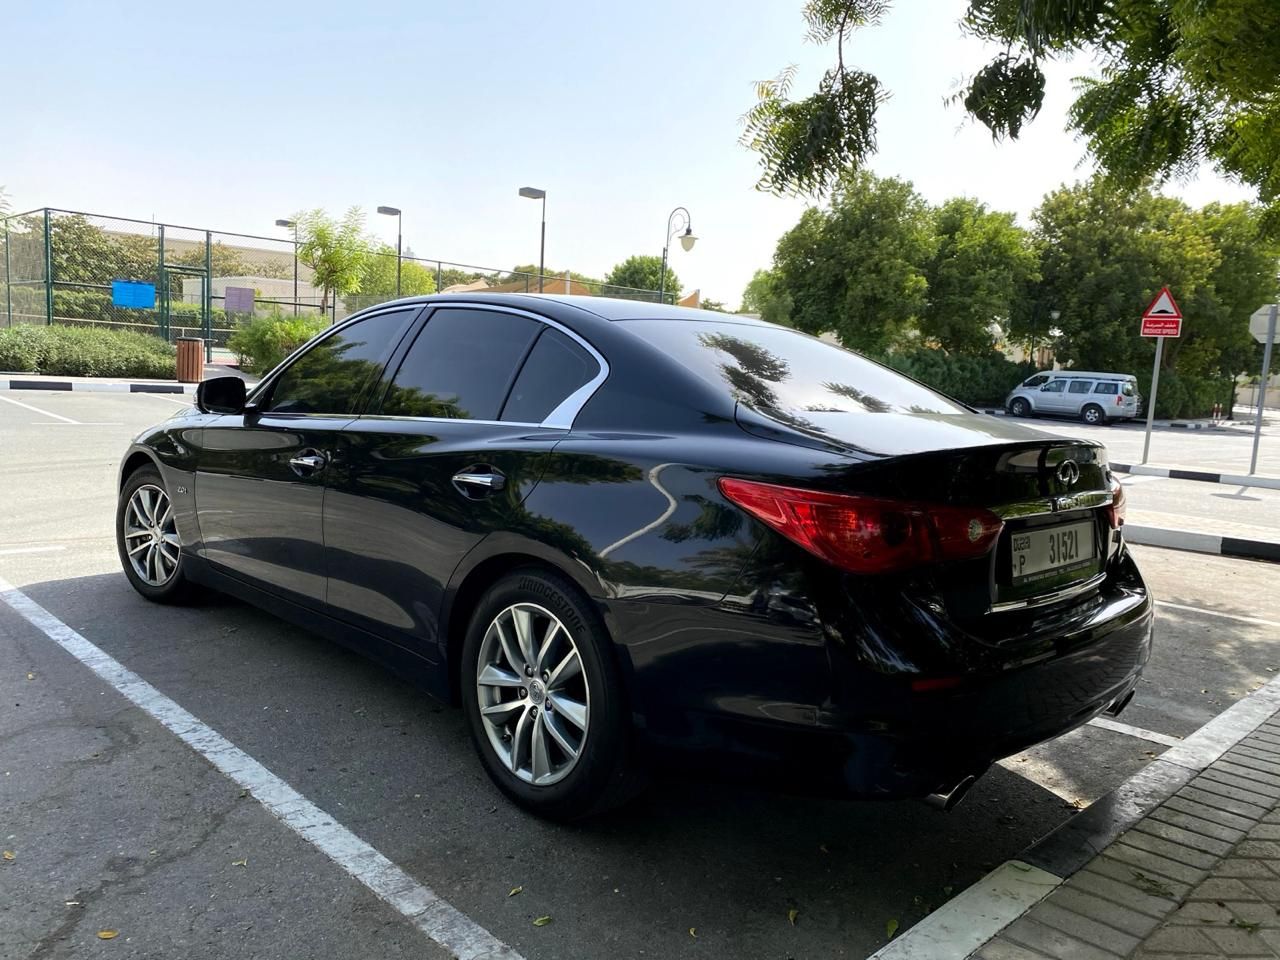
627, 536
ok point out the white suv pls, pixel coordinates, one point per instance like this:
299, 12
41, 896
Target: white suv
1092, 397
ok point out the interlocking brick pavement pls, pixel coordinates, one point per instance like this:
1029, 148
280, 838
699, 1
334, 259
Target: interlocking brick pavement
1197, 878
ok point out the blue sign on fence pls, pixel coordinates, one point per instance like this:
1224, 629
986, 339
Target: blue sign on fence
133, 294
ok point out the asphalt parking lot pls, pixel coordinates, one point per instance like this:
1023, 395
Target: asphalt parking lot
114, 824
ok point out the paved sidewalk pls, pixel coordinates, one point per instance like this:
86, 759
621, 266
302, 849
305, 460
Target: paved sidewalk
1196, 878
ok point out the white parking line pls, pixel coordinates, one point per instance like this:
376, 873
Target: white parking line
445, 925
1106, 723
1218, 613
160, 396
15, 551
43, 413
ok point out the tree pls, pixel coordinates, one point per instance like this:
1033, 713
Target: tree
1106, 252
714, 305
1183, 83
857, 268
378, 275
336, 252
640, 272
764, 296
84, 253
982, 262
4, 203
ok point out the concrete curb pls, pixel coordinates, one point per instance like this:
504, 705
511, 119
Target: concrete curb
96, 386
1176, 424
1011, 891
1174, 473
1202, 542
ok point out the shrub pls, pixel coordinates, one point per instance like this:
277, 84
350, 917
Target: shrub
978, 380
85, 352
262, 342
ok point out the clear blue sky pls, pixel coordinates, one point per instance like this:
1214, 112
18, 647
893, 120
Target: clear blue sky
231, 114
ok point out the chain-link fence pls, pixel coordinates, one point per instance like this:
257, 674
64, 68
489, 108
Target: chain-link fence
66, 267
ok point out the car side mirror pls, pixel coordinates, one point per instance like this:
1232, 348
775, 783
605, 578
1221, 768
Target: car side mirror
221, 395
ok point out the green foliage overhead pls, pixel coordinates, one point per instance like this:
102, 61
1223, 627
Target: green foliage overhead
82, 252
1183, 83
982, 262
335, 251
858, 267
640, 273
79, 351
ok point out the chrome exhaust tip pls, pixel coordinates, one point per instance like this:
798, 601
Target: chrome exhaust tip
1119, 705
947, 801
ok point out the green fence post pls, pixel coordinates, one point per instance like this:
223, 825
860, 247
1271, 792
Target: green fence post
440, 276
48, 269
161, 323
8, 279
208, 296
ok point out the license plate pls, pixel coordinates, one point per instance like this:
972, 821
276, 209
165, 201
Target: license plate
1049, 552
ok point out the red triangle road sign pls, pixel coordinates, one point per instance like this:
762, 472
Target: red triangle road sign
1162, 307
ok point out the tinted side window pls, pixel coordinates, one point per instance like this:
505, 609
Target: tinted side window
1055, 386
1107, 387
331, 377
1080, 386
556, 367
460, 366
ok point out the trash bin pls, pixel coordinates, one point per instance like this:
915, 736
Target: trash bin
190, 359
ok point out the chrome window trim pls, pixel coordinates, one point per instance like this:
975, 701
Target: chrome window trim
1063, 594
563, 416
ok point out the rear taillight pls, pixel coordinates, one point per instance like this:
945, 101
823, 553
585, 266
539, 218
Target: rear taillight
867, 534
1115, 512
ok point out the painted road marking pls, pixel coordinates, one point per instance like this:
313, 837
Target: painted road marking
43, 413
160, 396
426, 910
15, 551
1131, 480
1106, 723
1218, 613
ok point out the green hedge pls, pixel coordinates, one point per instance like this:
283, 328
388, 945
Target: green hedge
85, 352
978, 380
262, 342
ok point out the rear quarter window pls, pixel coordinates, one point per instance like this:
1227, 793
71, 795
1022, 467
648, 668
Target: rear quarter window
1108, 388
787, 372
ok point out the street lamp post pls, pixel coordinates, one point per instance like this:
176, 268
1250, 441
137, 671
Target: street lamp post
395, 212
533, 193
294, 224
687, 240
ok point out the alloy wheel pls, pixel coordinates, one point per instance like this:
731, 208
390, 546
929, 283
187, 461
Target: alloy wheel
534, 701
151, 535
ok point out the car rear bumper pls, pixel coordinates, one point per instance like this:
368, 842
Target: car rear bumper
888, 738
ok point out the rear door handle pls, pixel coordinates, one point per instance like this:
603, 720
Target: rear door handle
476, 482
308, 462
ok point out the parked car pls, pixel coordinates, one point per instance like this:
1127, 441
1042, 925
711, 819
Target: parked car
625, 536
1092, 397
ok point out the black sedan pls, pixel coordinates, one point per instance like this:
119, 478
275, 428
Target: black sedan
626, 536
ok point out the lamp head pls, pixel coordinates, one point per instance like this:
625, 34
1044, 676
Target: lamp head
687, 239
390, 211
532, 193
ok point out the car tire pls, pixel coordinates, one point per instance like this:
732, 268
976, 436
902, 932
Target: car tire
1093, 415
145, 525
1020, 408
520, 712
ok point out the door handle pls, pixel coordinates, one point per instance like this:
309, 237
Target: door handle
308, 462
476, 483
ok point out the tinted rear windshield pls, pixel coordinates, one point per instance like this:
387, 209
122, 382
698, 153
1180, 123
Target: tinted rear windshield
773, 368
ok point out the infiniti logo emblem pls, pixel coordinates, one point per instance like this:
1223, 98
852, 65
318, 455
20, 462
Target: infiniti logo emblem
1069, 472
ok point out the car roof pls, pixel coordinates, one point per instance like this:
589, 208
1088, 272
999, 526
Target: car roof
608, 308
1090, 374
